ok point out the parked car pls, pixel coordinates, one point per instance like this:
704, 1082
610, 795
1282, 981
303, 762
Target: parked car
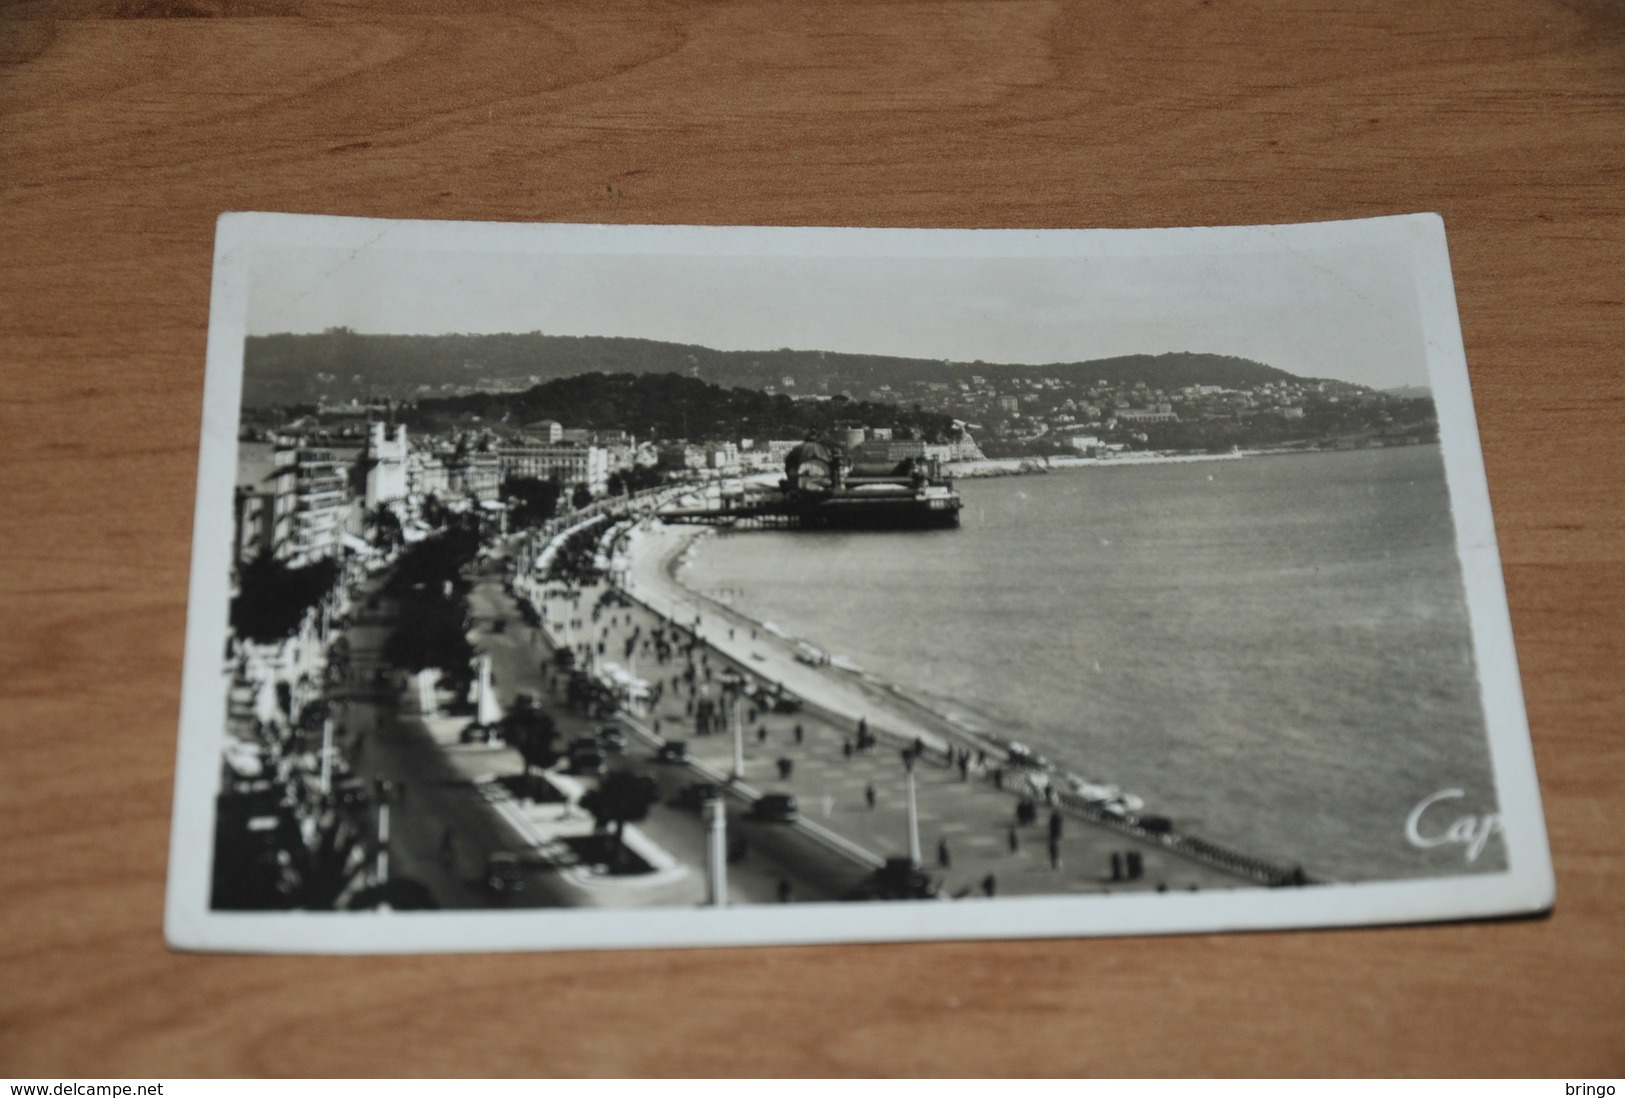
776, 808
612, 738
786, 703
477, 733
898, 879
590, 762
694, 795
674, 751
504, 872
351, 792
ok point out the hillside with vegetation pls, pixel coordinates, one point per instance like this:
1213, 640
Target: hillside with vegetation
666, 406
341, 365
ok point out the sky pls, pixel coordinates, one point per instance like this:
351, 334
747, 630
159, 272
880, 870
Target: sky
1345, 312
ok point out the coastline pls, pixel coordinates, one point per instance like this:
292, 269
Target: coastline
1025, 466
843, 696
656, 555
1028, 466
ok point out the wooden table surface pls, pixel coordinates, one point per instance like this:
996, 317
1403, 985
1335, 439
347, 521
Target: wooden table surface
126, 126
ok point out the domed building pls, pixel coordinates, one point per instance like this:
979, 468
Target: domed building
810, 467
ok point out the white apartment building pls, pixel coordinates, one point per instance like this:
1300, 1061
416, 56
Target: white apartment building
569, 464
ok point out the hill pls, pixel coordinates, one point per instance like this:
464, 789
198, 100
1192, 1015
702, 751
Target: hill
341, 365
667, 406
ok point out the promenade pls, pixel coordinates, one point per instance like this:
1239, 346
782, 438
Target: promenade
970, 838
985, 827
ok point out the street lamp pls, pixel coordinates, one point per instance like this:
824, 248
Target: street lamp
914, 856
716, 818
732, 700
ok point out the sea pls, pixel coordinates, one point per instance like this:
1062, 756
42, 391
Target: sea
1272, 651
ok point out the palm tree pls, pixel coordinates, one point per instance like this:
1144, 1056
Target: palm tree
621, 798
383, 527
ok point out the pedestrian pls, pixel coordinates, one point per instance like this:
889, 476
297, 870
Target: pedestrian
786, 893
1013, 840
761, 734
869, 795
998, 778
846, 749
799, 733
964, 767
786, 768
1055, 854
990, 886
945, 857
448, 850
1054, 825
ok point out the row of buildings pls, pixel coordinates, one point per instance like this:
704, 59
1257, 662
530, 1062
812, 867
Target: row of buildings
864, 445
304, 493
1004, 407
303, 497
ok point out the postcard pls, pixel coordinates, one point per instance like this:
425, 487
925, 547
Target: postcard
587, 586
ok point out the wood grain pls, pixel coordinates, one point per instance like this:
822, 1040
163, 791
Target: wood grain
127, 126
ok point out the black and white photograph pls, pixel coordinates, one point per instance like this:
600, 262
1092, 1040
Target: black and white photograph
565, 586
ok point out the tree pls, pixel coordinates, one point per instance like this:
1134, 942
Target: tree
622, 797
581, 498
532, 732
383, 527
533, 501
432, 633
434, 512
272, 599
435, 561
635, 479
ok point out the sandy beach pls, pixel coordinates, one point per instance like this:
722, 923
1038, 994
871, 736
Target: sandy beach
654, 552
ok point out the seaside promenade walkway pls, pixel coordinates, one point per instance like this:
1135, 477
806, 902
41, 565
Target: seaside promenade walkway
969, 834
673, 836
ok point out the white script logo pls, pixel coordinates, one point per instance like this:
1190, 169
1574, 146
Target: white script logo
1473, 832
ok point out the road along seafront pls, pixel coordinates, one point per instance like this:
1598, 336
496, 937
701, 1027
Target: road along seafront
973, 833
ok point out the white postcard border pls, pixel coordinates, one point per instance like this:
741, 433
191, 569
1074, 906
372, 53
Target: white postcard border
1527, 887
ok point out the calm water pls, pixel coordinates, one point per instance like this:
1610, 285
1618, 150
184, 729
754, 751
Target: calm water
1273, 651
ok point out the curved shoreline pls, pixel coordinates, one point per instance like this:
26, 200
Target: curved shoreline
656, 555
841, 695
653, 553
1037, 466
844, 697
